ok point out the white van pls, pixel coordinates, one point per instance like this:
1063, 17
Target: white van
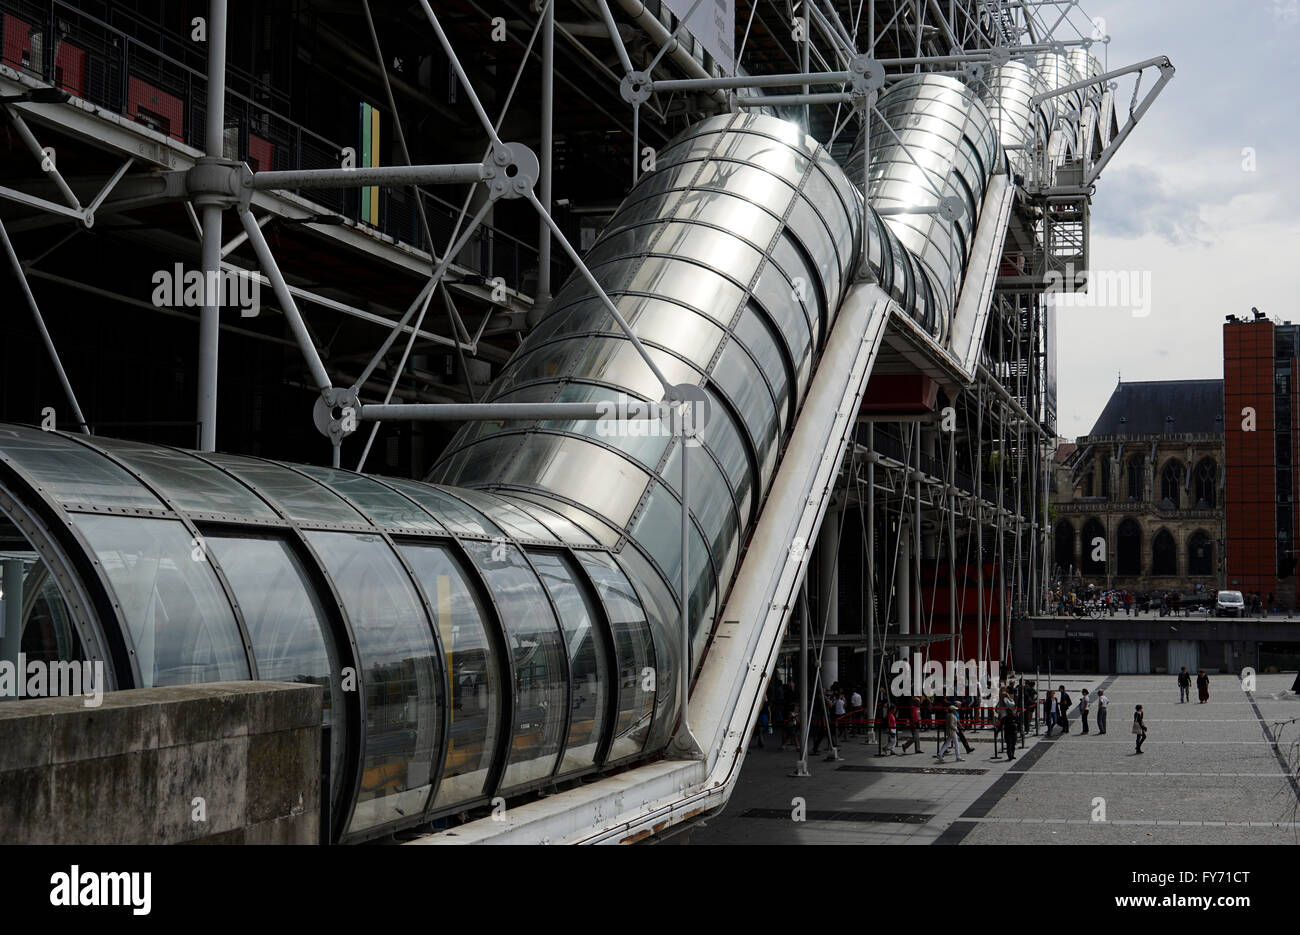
1229, 604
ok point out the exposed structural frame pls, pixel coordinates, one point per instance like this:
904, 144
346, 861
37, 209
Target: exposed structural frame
918, 492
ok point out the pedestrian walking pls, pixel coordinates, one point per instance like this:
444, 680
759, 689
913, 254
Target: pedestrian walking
1184, 685
1203, 686
953, 725
1063, 704
1049, 711
891, 723
1083, 710
1102, 703
1009, 724
1139, 728
914, 721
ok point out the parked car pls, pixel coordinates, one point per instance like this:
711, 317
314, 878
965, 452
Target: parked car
1229, 604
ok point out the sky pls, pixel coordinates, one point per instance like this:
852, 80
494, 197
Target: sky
1179, 209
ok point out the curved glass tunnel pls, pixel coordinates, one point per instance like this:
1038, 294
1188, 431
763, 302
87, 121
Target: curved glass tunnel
469, 646
512, 622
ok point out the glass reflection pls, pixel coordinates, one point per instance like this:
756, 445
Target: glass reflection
634, 654
588, 658
473, 672
400, 671
537, 652
285, 621
179, 619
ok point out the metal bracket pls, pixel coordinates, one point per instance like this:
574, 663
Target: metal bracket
512, 171
868, 74
636, 87
337, 413
222, 182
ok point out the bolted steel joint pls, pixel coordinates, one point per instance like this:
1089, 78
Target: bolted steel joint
512, 171
973, 72
215, 181
337, 413
636, 87
999, 55
868, 74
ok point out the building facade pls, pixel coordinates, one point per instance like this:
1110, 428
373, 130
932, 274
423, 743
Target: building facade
1259, 361
1138, 502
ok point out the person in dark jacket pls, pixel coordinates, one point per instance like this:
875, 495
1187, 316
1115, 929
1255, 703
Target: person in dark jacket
1009, 724
1063, 702
1139, 728
1184, 685
1203, 686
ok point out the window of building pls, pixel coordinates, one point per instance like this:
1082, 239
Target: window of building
1207, 479
1171, 484
1092, 531
1135, 472
1128, 556
1064, 546
1200, 554
1164, 554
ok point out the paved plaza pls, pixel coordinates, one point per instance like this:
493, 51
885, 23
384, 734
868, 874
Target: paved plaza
1208, 774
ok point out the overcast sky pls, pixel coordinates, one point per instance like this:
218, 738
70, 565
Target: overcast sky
1176, 202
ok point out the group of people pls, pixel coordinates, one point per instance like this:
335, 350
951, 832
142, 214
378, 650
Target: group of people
1017, 700
1076, 602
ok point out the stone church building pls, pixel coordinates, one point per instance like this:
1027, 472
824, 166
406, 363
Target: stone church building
1148, 481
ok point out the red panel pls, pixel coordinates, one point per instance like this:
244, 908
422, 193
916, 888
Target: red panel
900, 393
156, 108
70, 69
18, 42
261, 153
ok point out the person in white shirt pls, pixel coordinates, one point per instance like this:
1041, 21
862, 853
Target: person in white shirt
1083, 710
1102, 703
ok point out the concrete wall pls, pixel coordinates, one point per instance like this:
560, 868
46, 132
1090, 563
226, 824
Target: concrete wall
128, 771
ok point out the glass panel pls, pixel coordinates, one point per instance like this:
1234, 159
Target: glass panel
455, 514
602, 532
658, 529
473, 669
386, 507
566, 530
711, 504
588, 655
510, 518
179, 619
577, 470
661, 613
759, 340
400, 671
739, 377
300, 497
70, 472
537, 650
633, 652
192, 484
723, 438
647, 448
286, 623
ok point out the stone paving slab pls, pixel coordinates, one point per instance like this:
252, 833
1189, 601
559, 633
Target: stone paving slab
1209, 774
